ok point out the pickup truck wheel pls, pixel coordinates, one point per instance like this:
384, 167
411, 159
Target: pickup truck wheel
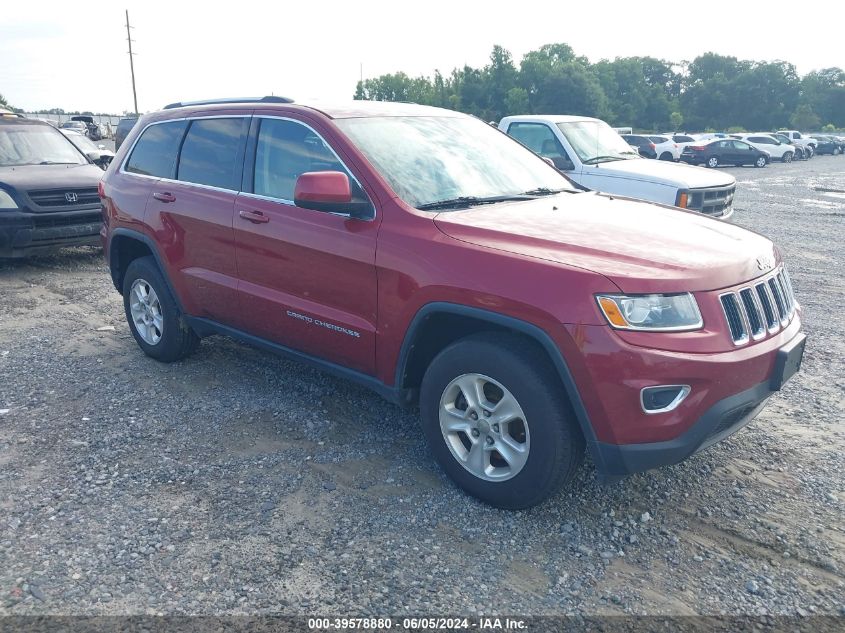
496, 422
713, 162
761, 161
152, 313
786, 158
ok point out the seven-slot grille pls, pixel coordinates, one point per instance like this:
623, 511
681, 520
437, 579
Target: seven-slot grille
764, 306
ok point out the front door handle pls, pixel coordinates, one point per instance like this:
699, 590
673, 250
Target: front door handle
256, 217
164, 196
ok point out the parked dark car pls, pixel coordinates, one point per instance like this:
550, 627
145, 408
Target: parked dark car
645, 146
827, 145
725, 152
48, 190
124, 126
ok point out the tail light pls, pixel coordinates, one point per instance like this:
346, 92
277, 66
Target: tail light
697, 148
652, 145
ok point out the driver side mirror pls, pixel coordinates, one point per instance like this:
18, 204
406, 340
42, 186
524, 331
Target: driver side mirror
329, 191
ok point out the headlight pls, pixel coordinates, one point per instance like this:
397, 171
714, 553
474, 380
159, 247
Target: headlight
656, 313
6, 201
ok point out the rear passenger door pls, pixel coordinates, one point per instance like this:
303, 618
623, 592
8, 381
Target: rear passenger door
191, 215
307, 278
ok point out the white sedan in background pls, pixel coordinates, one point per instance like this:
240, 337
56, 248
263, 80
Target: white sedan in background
769, 144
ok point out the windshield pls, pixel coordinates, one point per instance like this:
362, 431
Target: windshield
435, 158
36, 145
83, 143
596, 142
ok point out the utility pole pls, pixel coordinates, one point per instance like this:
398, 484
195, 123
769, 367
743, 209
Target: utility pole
131, 62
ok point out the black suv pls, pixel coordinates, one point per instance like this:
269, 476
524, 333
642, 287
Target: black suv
48, 190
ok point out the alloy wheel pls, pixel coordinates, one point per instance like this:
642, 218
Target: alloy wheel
145, 307
484, 427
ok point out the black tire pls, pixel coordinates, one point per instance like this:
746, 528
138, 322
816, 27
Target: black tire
786, 158
712, 162
177, 340
761, 161
667, 156
556, 444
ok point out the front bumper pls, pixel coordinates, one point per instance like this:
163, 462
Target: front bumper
23, 233
721, 420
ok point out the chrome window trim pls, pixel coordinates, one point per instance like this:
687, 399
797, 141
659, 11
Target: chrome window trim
330, 148
682, 394
249, 194
123, 164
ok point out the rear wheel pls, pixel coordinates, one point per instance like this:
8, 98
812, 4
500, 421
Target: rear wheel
713, 162
152, 313
667, 156
493, 414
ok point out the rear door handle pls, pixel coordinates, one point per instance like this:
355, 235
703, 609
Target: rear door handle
256, 217
164, 196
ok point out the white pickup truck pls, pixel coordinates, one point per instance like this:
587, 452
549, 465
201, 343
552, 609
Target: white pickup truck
593, 155
807, 143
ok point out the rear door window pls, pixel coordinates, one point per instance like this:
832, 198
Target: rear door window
210, 153
155, 152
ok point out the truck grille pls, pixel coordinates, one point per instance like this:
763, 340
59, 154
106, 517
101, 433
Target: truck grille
765, 306
64, 199
712, 201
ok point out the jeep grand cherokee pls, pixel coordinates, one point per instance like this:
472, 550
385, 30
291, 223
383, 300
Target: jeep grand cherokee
434, 259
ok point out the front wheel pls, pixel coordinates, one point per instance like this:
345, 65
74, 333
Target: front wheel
787, 158
493, 414
152, 313
713, 162
760, 162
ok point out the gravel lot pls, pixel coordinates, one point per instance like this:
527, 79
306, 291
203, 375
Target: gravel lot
237, 482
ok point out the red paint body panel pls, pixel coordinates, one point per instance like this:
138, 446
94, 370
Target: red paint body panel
347, 290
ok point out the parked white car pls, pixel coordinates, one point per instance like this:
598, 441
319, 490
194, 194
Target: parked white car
800, 140
666, 148
593, 155
769, 144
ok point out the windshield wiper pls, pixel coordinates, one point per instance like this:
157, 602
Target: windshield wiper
470, 201
543, 191
602, 159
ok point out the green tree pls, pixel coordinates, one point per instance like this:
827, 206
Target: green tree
516, 101
3, 101
676, 120
804, 118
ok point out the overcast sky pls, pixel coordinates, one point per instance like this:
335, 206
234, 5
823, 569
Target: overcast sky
73, 54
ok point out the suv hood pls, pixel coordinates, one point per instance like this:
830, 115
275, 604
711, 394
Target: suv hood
664, 172
641, 247
28, 177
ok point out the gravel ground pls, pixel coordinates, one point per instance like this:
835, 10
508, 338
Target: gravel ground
237, 482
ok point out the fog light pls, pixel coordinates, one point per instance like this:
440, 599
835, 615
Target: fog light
663, 398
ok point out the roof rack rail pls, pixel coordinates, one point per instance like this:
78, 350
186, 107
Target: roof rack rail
267, 99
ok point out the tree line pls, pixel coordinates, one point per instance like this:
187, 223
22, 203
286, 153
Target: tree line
712, 92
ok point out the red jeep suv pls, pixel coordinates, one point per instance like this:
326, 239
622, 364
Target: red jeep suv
425, 254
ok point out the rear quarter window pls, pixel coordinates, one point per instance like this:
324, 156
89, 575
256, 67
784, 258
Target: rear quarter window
155, 152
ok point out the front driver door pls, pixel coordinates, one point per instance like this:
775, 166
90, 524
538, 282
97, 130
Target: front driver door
307, 278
